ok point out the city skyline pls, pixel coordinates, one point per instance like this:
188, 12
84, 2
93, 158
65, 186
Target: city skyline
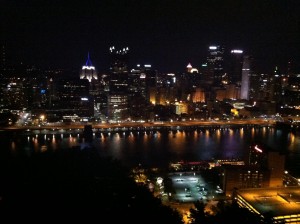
168, 34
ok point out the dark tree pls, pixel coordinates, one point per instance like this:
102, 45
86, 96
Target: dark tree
77, 184
226, 212
231, 212
198, 214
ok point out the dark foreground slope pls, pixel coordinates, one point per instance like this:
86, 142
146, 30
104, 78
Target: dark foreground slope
76, 184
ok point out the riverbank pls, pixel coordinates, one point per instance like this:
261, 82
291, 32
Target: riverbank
136, 126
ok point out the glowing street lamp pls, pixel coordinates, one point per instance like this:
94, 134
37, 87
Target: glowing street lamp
42, 117
159, 180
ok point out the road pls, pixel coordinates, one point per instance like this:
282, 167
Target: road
136, 125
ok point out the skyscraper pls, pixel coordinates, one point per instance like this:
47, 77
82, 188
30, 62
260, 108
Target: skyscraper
118, 84
234, 67
118, 75
245, 78
88, 71
119, 59
215, 63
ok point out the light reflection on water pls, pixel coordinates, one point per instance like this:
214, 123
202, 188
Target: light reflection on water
158, 148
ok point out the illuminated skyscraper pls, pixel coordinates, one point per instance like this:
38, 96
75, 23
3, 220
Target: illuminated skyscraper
119, 59
215, 63
117, 103
118, 76
245, 78
189, 68
88, 71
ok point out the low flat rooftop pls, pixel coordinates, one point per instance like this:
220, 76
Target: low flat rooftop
278, 201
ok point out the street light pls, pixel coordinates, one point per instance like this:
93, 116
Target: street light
159, 180
42, 117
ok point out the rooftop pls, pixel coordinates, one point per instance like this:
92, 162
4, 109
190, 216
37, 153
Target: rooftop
278, 201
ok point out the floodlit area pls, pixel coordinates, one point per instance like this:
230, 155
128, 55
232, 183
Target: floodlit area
190, 187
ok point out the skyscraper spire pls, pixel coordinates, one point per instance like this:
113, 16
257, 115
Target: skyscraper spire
88, 71
88, 61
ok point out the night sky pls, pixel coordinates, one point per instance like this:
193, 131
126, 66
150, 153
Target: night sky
166, 34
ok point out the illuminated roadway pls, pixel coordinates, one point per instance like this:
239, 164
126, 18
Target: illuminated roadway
146, 125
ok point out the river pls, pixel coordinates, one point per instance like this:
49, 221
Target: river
157, 148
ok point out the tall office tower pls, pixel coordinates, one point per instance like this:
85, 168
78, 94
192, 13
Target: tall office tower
118, 75
215, 63
88, 71
276, 87
245, 86
119, 59
234, 67
140, 80
255, 87
117, 104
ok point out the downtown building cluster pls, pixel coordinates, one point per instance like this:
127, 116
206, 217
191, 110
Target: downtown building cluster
225, 85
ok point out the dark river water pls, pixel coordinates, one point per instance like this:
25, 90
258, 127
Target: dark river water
159, 148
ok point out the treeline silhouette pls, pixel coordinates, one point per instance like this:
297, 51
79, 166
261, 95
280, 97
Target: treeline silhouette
76, 184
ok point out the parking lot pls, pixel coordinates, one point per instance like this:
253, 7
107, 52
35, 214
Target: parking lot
191, 186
